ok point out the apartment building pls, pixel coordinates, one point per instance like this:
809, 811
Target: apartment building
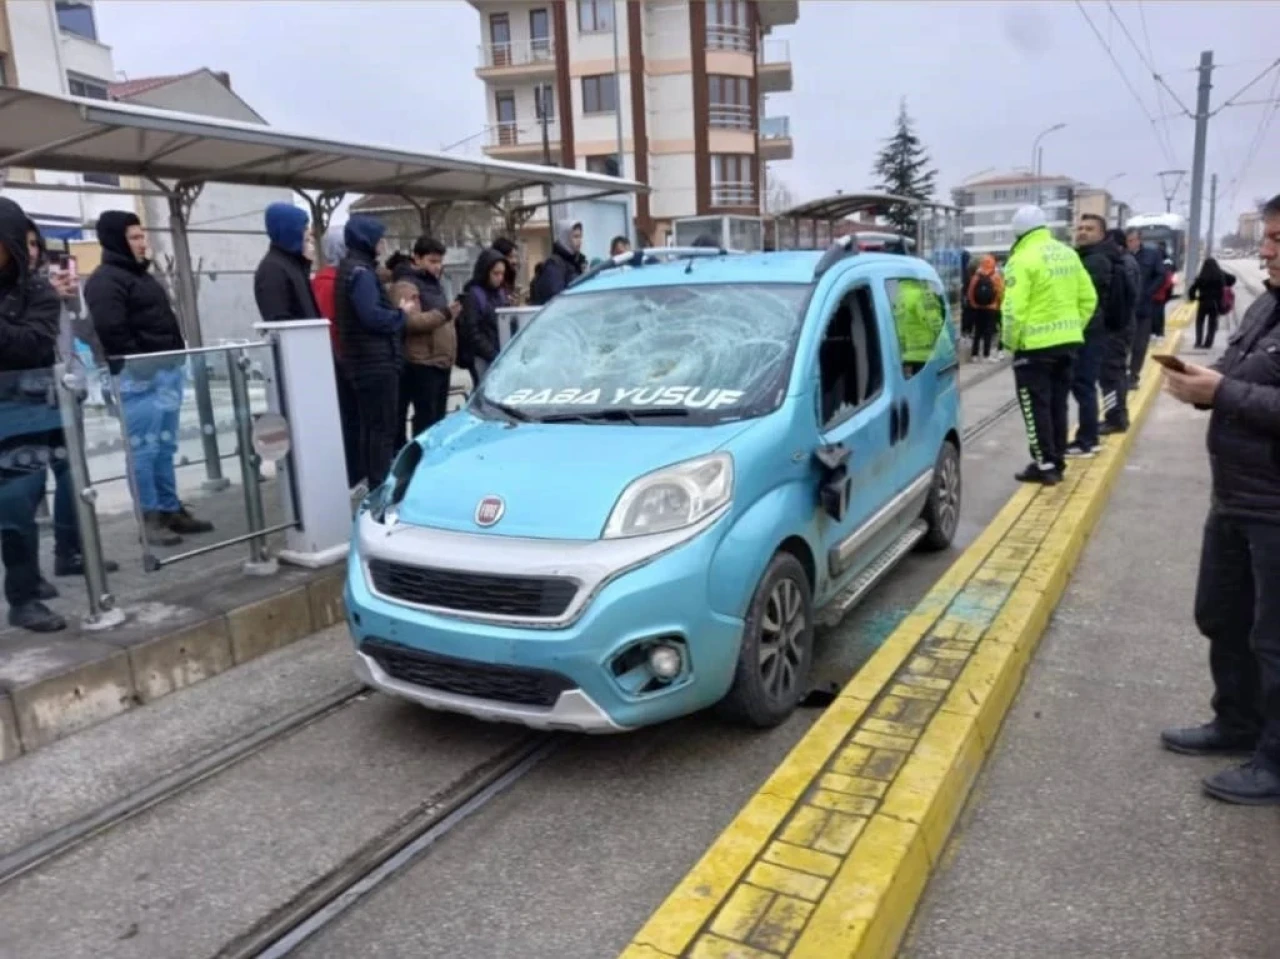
669, 92
1249, 226
52, 46
988, 204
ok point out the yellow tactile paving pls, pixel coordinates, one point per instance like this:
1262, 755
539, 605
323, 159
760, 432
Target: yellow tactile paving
829, 858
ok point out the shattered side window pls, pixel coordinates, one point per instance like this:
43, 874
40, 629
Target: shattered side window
919, 317
716, 350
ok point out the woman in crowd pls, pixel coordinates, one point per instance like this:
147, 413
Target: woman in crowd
478, 327
333, 248
1207, 291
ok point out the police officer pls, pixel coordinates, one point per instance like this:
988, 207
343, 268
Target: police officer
1048, 300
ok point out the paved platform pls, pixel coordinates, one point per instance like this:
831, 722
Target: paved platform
831, 855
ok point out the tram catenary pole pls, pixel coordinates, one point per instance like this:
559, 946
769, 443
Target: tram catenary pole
1198, 161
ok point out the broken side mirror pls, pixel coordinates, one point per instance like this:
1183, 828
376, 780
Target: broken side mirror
836, 487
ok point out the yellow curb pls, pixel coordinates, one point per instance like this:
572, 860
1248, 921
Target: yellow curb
830, 857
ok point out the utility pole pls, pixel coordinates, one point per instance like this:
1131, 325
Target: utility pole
1213, 209
1197, 161
1170, 193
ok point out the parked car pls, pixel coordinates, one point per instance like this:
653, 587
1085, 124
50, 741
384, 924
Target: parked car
667, 478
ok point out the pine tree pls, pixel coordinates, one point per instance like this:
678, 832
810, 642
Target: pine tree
904, 169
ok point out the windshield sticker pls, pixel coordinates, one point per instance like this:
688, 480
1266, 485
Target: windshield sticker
692, 397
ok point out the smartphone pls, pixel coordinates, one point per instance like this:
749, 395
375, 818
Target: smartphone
1170, 362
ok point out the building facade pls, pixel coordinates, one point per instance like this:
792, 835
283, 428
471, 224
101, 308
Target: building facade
667, 92
52, 46
988, 206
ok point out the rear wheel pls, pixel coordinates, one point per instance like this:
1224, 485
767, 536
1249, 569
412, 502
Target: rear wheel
777, 647
942, 509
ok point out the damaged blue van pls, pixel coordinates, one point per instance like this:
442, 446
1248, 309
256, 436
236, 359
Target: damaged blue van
671, 475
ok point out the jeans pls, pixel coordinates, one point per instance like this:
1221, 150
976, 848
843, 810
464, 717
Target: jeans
1084, 387
378, 398
19, 535
66, 525
152, 408
1238, 610
426, 388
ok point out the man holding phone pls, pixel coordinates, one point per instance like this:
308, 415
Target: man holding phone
1238, 593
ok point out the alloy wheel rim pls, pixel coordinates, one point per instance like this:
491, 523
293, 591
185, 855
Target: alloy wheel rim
948, 495
781, 648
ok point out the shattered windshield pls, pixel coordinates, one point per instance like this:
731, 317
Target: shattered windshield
699, 352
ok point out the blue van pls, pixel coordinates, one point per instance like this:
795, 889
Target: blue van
670, 475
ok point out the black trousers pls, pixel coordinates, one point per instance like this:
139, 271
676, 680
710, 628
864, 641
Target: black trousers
1206, 324
1113, 377
1238, 609
378, 399
1044, 383
19, 535
1141, 341
426, 388
349, 415
985, 325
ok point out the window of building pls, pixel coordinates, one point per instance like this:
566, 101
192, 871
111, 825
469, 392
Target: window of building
79, 86
850, 361
729, 101
728, 26
77, 18
998, 195
595, 16
600, 93
544, 101
500, 40
606, 163
504, 109
540, 34
733, 179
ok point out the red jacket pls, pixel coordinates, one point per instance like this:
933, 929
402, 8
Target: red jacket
322, 286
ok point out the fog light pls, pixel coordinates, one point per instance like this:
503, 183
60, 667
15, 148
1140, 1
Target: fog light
665, 662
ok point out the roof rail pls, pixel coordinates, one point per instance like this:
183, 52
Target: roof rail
651, 255
838, 250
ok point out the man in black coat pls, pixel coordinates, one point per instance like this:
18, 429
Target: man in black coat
30, 426
133, 320
1150, 276
565, 264
1102, 260
282, 283
1238, 592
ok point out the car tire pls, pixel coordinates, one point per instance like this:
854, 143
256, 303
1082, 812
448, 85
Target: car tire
942, 509
777, 647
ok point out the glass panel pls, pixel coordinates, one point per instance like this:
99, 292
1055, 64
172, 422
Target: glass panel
76, 18
919, 314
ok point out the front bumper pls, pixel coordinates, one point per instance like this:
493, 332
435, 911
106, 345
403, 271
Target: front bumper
631, 593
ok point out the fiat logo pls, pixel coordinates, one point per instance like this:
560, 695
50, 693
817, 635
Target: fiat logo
489, 510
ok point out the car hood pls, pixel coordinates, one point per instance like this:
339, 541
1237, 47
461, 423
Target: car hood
556, 480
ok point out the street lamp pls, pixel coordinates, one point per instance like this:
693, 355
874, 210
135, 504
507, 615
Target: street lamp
1035, 163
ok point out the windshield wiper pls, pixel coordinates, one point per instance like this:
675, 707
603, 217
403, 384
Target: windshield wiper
613, 414
511, 412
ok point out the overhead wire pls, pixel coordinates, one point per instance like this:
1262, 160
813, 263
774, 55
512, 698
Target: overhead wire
1231, 100
1147, 62
1256, 144
1164, 116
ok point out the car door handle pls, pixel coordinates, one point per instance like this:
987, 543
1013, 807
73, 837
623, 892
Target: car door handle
904, 420
895, 425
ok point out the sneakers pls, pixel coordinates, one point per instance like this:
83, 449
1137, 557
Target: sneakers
73, 565
157, 530
1111, 429
184, 524
1044, 475
1078, 451
37, 617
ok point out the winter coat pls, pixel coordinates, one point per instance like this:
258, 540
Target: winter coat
130, 309
1208, 287
558, 270
1244, 429
478, 325
1151, 268
282, 283
322, 289
29, 307
370, 328
430, 338
1106, 269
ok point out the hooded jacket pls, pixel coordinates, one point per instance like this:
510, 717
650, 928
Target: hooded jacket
282, 283
1105, 266
332, 249
1151, 272
29, 308
561, 268
1244, 427
986, 267
1209, 284
478, 325
370, 329
430, 338
130, 309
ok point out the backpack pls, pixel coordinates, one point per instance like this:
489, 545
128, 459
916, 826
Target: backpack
1165, 290
984, 291
1228, 301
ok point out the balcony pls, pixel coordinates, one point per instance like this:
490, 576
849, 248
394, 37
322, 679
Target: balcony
775, 138
521, 141
513, 61
729, 116
735, 195
773, 66
728, 37
777, 13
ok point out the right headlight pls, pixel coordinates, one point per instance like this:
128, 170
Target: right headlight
673, 497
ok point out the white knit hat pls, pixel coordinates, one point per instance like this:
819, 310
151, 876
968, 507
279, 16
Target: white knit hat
1028, 218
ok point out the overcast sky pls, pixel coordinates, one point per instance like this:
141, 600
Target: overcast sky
981, 80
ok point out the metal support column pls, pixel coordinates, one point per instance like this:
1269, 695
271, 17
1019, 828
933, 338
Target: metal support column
259, 563
322, 206
1213, 209
1197, 162
103, 613
181, 197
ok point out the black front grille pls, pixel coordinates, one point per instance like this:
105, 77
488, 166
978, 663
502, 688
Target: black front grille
536, 596
507, 684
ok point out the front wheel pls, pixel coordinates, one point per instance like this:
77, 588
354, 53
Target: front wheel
777, 647
942, 509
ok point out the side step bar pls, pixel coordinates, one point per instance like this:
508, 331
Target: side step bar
851, 595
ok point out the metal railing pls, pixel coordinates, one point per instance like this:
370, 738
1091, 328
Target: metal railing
721, 37
773, 51
775, 128
732, 116
733, 194
530, 53
511, 133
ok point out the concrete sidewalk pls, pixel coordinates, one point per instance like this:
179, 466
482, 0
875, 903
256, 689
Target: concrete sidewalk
1083, 837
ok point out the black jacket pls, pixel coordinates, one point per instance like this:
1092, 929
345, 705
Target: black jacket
29, 308
478, 325
1132, 284
430, 293
131, 311
1244, 429
282, 287
1151, 275
1208, 287
1106, 268
371, 330
558, 270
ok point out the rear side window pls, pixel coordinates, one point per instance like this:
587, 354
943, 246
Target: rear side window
851, 358
919, 318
